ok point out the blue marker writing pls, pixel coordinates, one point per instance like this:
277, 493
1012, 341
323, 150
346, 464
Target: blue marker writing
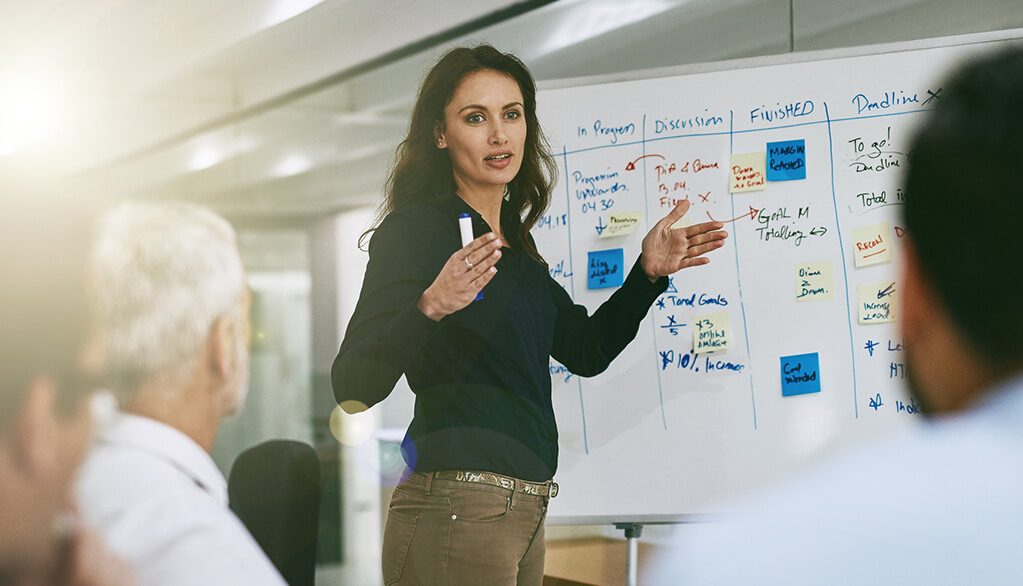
465, 228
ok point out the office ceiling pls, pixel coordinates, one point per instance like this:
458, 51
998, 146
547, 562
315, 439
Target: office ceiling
291, 109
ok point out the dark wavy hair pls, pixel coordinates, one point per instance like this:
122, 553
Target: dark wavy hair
422, 172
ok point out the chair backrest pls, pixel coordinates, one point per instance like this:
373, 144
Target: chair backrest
274, 489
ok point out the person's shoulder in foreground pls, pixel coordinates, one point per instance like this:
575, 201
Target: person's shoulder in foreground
161, 502
938, 503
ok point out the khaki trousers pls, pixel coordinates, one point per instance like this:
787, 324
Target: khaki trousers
451, 533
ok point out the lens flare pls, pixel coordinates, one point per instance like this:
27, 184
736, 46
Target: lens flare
352, 429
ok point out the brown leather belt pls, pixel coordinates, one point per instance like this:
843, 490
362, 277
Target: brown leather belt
548, 489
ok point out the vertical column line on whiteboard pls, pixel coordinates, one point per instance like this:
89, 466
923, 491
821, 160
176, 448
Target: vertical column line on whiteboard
571, 283
845, 275
653, 324
738, 279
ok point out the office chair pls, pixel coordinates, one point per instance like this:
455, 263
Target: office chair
274, 488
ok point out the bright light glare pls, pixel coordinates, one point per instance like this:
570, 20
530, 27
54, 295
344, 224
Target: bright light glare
204, 157
595, 20
293, 164
30, 111
284, 9
352, 430
8, 145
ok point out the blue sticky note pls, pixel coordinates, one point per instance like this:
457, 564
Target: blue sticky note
606, 268
786, 160
800, 374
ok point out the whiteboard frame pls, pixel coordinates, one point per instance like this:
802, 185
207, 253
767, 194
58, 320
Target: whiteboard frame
737, 64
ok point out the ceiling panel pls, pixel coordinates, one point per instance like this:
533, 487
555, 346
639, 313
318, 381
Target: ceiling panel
254, 106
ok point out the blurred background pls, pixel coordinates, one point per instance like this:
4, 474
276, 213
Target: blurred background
283, 115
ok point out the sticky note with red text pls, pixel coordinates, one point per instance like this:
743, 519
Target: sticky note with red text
747, 172
872, 244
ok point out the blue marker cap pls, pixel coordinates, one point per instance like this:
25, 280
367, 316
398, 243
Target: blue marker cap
463, 215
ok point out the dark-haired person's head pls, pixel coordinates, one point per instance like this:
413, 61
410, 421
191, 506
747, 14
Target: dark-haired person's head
45, 374
962, 281
423, 171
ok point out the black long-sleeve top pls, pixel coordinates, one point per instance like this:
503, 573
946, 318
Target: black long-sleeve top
481, 375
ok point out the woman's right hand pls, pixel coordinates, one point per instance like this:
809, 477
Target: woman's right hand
463, 276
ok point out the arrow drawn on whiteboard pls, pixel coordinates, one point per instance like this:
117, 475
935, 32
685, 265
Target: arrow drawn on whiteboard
751, 214
631, 166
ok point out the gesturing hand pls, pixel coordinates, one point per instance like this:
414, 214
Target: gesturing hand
667, 251
465, 273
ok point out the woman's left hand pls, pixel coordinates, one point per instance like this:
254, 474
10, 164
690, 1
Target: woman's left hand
667, 251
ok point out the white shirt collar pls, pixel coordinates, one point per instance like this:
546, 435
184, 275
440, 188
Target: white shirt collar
169, 444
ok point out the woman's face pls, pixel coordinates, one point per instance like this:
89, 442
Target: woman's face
484, 130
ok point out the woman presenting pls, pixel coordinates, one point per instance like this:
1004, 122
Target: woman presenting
482, 447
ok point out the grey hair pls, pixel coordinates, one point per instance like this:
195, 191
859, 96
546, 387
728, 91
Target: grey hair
161, 275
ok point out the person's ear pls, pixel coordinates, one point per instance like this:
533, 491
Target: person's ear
36, 430
220, 349
438, 135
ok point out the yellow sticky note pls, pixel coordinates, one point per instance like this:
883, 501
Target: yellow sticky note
620, 224
683, 222
711, 333
815, 281
877, 303
747, 172
872, 244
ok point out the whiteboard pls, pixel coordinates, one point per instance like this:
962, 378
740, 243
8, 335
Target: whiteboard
664, 433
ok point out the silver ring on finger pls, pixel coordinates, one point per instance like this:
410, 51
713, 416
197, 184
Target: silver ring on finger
467, 263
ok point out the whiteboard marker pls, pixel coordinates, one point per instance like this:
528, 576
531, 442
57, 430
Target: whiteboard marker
465, 228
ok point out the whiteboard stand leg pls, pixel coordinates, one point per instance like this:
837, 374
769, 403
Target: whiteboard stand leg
632, 533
